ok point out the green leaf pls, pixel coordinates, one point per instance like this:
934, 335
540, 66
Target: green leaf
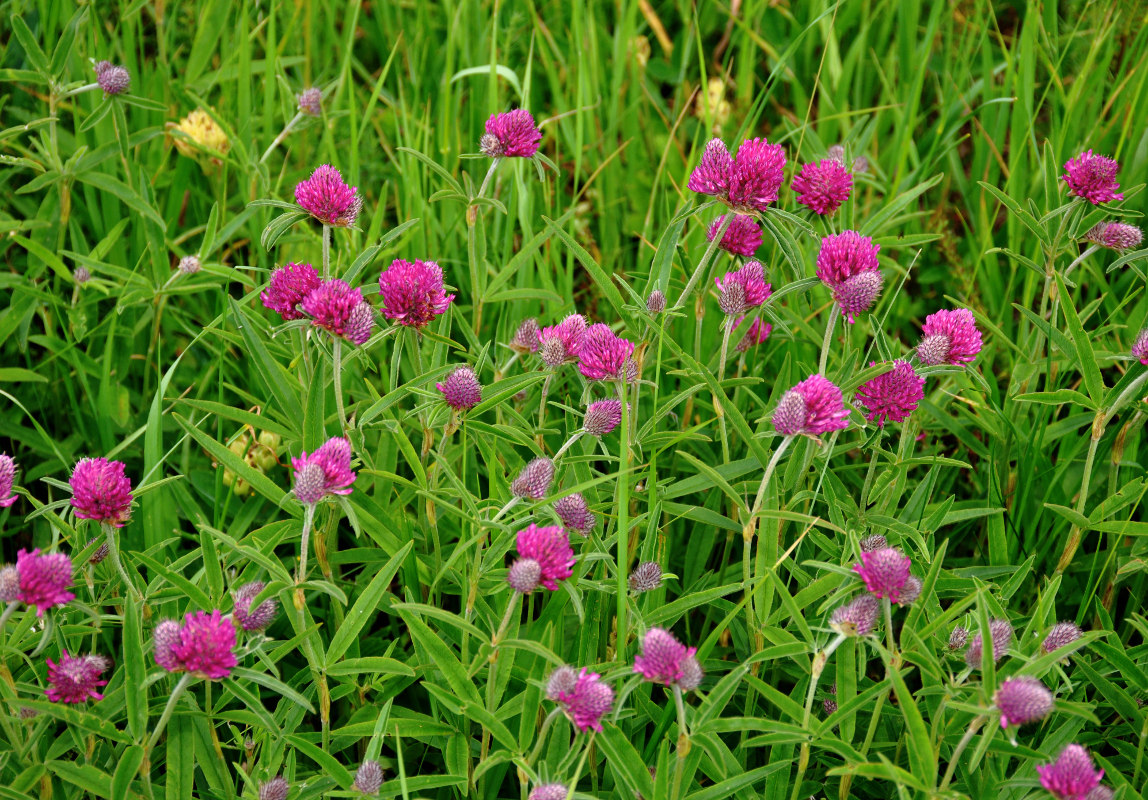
921, 758
364, 608
260, 482
624, 758
106, 183
1085, 355
273, 374
135, 671
1027, 219
126, 769
600, 278
437, 168
437, 656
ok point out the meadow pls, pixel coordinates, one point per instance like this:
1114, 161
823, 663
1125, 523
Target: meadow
548, 400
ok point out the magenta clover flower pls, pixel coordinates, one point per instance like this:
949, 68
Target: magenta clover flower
823, 186
323, 472
602, 417
663, 658
112, 78
757, 333
101, 491
746, 182
603, 355
950, 337
549, 547
75, 678
461, 389
512, 134
1022, 700
847, 265
7, 479
340, 310
412, 292
892, 396
202, 646
1140, 347
559, 344
44, 579
885, 572
575, 513
288, 286
585, 697
327, 197
1093, 177
812, 407
741, 238
1071, 776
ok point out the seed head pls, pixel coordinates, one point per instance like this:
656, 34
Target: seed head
646, 577
829, 703
165, 638
524, 575
750, 279
511, 135
461, 389
858, 617
288, 286
533, 481
692, 674
549, 791
369, 777
1061, 635
575, 513
328, 198
276, 788
101, 491
311, 101
113, 79
823, 186
732, 299
588, 701
253, 619
602, 416
873, 541
958, 638
910, 591
81, 275
885, 572
560, 343
412, 292
1117, 236
189, 265
1100, 793
9, 584
847, 264
561, 683
893, 396
1093, 177
1022, 700
7, 479
1000, 630
526, 337
836, 152
656, 302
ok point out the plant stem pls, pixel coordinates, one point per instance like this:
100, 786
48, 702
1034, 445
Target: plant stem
8, 611
834, 313
337, 366
176, 693
974, 726
511, 606
701, 267
722, 425
282, 135
567, 445
747, 535
114, 554
1075, 533
578, 769
683, 749
326, 251
489, 174
542, 736
308, 520
816, 670
623, 532
872, 469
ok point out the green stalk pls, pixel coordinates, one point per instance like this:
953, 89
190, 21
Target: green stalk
1075, 533
815, 672
683, 749
748, 533
974, 726
701, 267
326, 251
176, 693
834, 313
623, 532
718, 409
114, 554
337, 366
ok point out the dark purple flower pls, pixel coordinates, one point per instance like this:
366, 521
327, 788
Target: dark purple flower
1071, 776
533, 481
1061, 635
1118, 236
76, 678
112, 78
758, 332
1000, 631
646, 577
7, 479
1022, 700
656, 302
602, 416
662, 657
253, 619
857, 617
461, 389
575, 513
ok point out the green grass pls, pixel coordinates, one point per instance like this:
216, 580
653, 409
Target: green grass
958, 109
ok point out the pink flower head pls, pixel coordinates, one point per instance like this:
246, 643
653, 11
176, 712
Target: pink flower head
550, 547
549, 791
461, 389
591, 700
560, 343
101, 491
7, 479
44, 579
253, 619
757, 174
112, 78
326, 471
274, 789
1022, 700
9, 584
412, 292
524, 575
526, 337
656, 302
337, 308
742, 237
534, 479
368, 777
950, 337
823, 186
1115, 235
602, 416
165, 637
910, 591
603, 355
663, 657
847, 265
1000, 631
646, 577
205, 647
327, 197
812, 407
310, 101
857, 617
575, 513
76, 678
885, 572
512, 134
1061, 635
1071, 776
1140, 347
892, 396
1100, 793
873, 541
288, 286
758, 332
743, 289
1093, 177
711, 176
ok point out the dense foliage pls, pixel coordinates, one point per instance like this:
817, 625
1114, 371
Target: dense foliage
480, 399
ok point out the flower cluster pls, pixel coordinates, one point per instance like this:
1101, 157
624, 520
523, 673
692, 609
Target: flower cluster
328, 198
101, 491
583, 696
812, 407
202, 646
847, 265
748, 181
325, 471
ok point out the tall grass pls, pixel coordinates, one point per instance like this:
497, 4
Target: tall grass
1016, 487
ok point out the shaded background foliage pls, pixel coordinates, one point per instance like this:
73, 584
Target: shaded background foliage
938, 97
